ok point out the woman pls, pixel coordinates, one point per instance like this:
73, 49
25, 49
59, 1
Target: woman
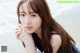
39, 30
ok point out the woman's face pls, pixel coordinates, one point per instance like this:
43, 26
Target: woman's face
30, 20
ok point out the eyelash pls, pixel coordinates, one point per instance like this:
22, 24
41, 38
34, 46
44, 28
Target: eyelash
22, 15
33, 15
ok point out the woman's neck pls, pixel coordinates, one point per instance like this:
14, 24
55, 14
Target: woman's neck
38, 32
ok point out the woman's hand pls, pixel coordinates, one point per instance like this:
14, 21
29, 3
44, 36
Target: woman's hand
26, 38
21, 33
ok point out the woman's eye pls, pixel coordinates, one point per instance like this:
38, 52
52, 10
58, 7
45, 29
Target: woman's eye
22, 15
33, 15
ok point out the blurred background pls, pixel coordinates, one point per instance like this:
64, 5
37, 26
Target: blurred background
68, 15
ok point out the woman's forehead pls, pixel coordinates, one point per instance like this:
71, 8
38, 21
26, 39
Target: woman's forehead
25, 7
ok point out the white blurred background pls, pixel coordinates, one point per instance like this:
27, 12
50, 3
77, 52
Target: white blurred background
68, 15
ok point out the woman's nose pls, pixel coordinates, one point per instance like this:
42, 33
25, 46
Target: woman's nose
27, 20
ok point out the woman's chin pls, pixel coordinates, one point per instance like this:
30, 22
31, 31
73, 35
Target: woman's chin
29, 31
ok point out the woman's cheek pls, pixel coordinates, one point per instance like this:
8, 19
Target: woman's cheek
22, 21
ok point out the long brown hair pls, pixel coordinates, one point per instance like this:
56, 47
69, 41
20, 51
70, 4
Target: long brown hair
49, 25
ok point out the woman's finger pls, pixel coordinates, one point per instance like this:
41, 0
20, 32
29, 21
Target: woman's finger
17, 34
18, 30
19, 25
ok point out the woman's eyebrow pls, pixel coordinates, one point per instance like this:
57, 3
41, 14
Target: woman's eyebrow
26, 13
21, 12
31, 12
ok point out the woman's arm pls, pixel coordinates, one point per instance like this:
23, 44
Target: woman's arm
55, 42
29, 45
27, 39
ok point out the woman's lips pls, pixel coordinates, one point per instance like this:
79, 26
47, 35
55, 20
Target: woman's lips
29, 27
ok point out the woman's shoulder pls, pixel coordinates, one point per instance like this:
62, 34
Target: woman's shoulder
55, 41
55, 35
55, 38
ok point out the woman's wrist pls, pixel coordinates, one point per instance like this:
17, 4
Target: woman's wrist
29, 45
27, 39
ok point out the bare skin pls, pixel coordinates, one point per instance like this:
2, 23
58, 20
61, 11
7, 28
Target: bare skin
27, 39
23, 34
29, 43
